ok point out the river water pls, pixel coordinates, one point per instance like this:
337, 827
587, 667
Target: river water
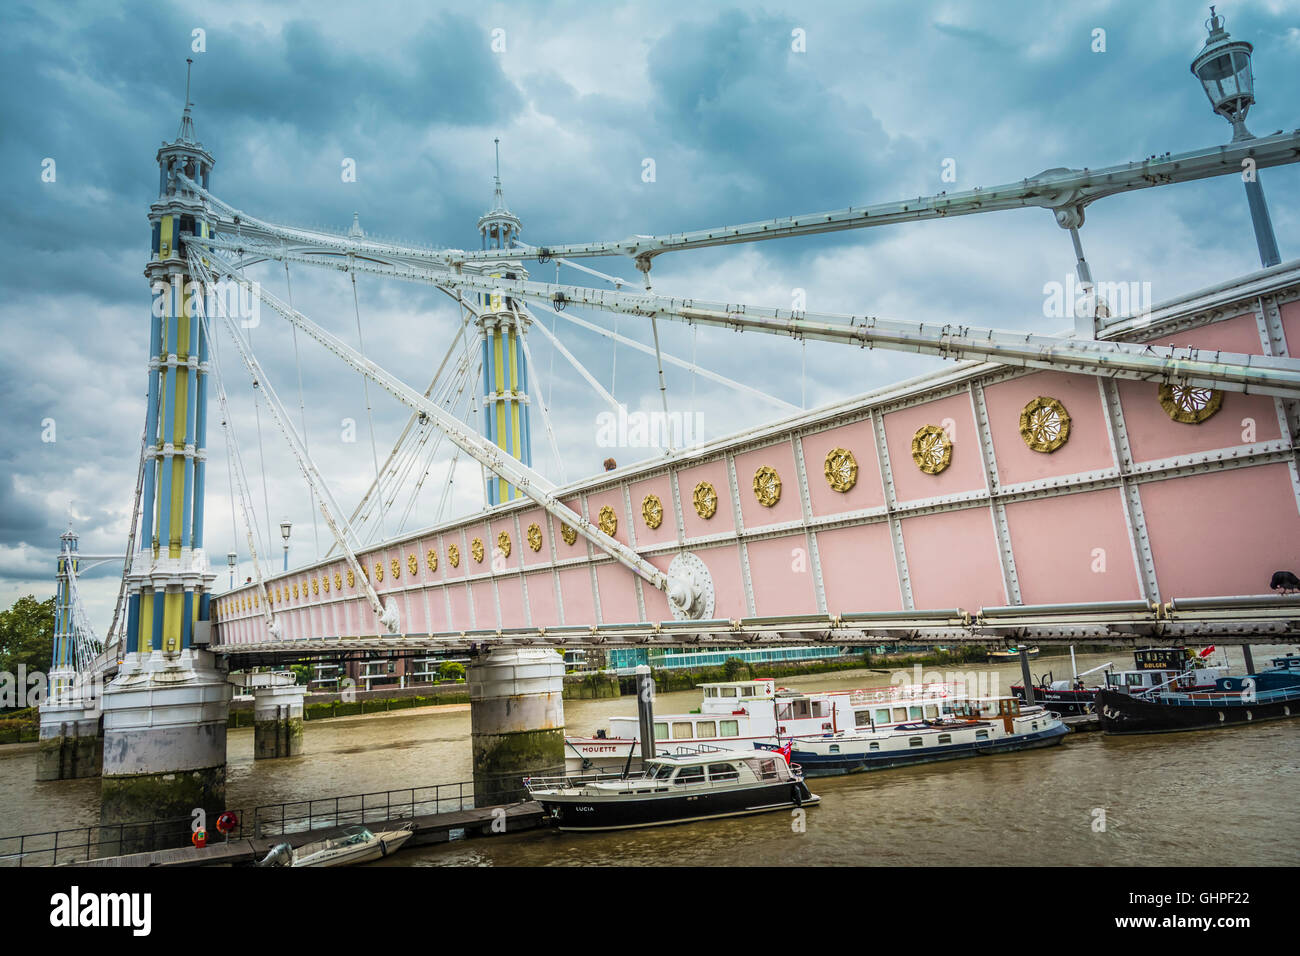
1226, 797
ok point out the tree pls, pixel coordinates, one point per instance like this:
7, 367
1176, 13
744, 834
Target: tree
451, 670
27, 635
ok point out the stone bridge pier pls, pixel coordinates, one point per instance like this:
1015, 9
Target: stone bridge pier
516, 719
277, 712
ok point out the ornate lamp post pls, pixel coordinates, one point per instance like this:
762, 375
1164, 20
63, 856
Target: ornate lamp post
285, 528
232, 560
1223, 67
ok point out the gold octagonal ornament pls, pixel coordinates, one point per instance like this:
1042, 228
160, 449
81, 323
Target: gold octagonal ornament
453, 555
767, 486
431, 559
608, 521
841, 469
412, 564
379, 570
352, 578
569, 535
534, 537
652, 510
476, 550
931, 449
396, 565
503, 542
1045, 424
1190, 404
705, 499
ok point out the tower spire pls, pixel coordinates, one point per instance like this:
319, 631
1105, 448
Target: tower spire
186, 133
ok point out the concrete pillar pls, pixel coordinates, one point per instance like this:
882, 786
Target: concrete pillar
71, 742
164, 746
516, 713
277, 714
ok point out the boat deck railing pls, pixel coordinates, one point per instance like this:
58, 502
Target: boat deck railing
1219, 698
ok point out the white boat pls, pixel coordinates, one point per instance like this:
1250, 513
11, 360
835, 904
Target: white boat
738, 715
357, 845
674, 789
974, 727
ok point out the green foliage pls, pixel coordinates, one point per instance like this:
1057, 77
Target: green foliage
302, 673
733, 668
451, 670
27, 635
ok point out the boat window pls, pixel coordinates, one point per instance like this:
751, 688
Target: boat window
821, 709
710, 692
767, 770
981, 735
914, 712
784, 712
748, 690
728, 692
689, 775
706, 728
723, 771
1134, 679
862, 718
1035, 725
728, 728
900, 714
945, 738
681, 730
931, 711
835, 748
801, 709
664, 772
882, 715
915, 742
661, 731
875, 745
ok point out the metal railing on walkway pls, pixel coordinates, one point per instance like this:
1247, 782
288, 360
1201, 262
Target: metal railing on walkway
82, 844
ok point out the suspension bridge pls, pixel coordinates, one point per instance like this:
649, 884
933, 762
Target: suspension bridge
1092, 486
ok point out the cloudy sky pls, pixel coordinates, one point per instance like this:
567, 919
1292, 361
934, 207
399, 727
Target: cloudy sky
740, 127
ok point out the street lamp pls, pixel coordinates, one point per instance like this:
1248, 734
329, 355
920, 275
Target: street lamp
1223, 67
285, 527
232, 559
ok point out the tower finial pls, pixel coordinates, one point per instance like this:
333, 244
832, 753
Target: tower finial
186, 133
496, 141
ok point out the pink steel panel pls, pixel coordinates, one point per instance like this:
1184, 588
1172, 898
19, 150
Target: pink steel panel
541, 599
1154, 435
1222, 533
495, 555
715, 473
781, 457
667, 530
656, 601
617, 594
527, 556
728, 585
575, 591
563, 550
952, 560
612, 497
415, 616
1088, 447
1290, 312
510, 591
1073, 548
459, 539
781, 569
868, 492
858, 570
485, 612
966, 470
460, 615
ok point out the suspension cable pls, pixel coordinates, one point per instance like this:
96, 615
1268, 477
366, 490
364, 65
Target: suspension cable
365, 385
302, 408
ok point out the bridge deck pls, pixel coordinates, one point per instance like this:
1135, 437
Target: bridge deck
1135, 508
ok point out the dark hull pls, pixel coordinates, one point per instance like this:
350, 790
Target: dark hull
617, 813
1123, 714
814, 765
1067, 703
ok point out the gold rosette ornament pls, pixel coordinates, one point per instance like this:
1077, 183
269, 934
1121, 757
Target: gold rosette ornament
608, 521
705, 499
503, 542
1045, 424
767, 486
476, 549
1189, 404
652, 510
534, 537
841, 469
931, 449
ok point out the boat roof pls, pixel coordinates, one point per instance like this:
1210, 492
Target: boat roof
710, 756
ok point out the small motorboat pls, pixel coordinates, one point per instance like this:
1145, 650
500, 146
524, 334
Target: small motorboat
674, 789
357, 845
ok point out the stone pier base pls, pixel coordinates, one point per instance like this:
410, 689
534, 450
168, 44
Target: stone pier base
69, 749
516, 720
164, 748
277, 714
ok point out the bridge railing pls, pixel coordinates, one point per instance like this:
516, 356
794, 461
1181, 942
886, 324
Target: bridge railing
84, 844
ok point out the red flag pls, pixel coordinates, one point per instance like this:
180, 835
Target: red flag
1208, 651
785, 750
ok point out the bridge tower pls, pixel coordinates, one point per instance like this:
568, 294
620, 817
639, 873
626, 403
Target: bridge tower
70, 745
165, 713
502, 324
